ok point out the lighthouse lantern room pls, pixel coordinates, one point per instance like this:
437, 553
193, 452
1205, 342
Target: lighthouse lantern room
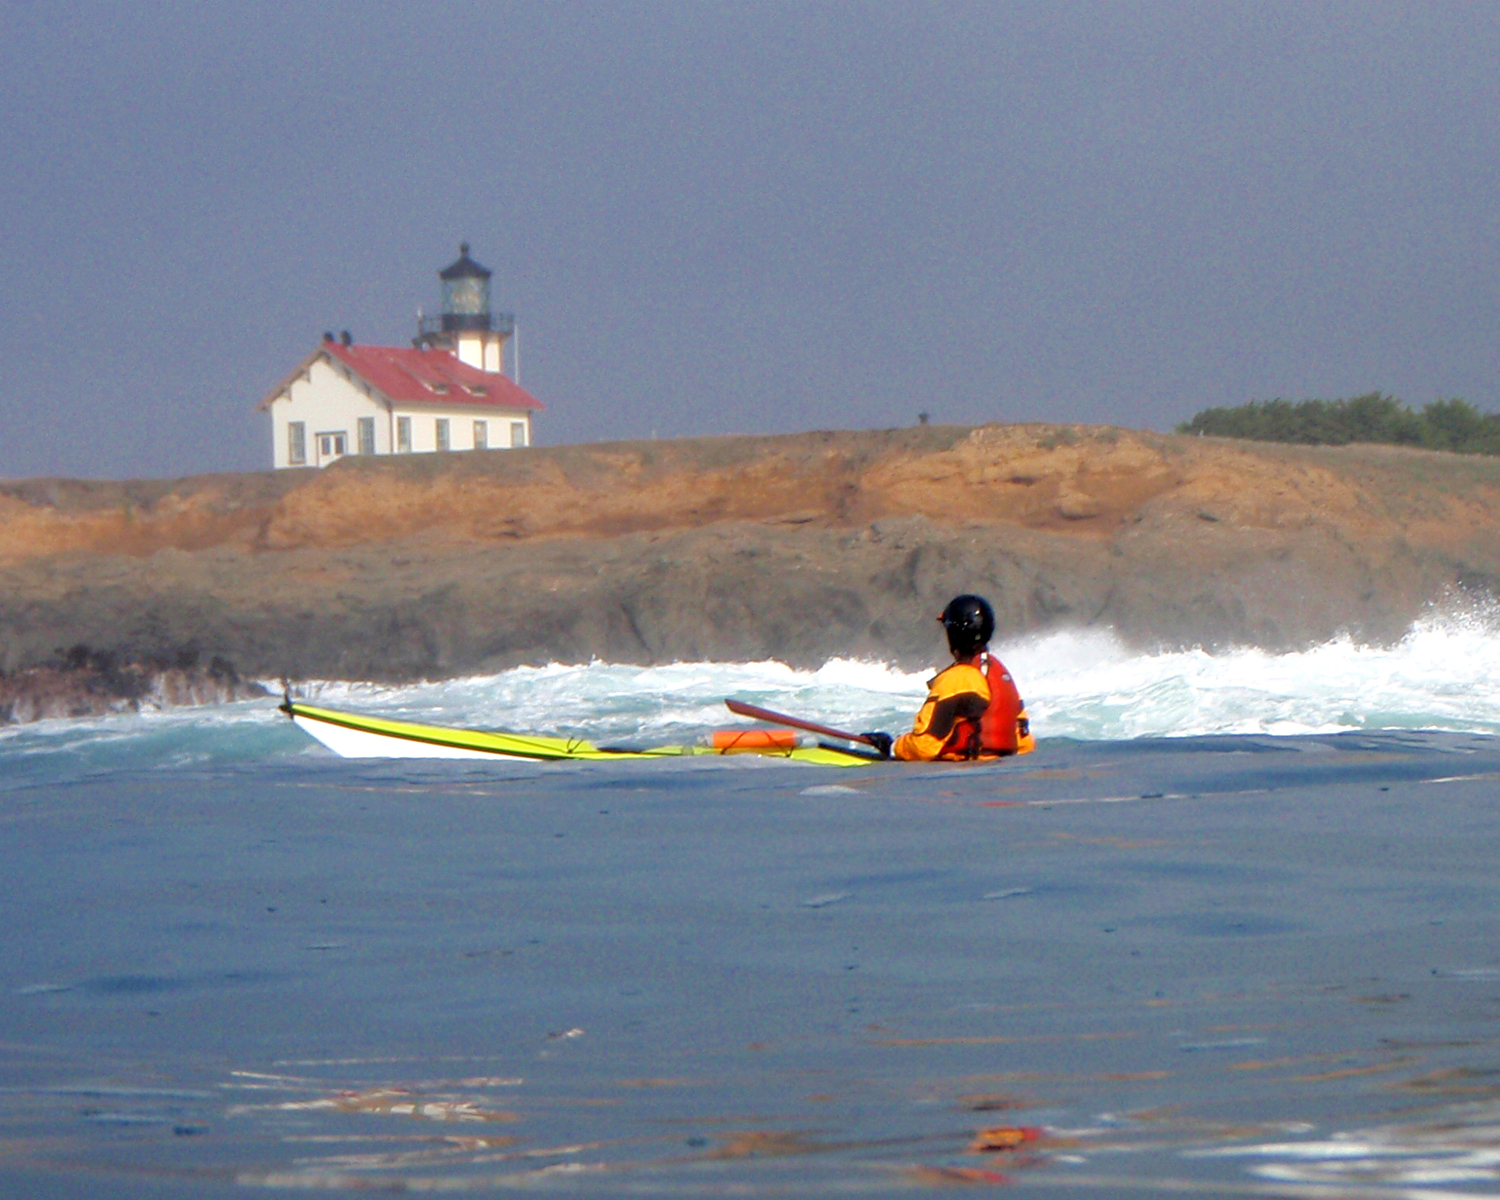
467, 327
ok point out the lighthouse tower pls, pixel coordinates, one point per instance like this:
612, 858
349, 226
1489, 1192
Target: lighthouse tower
466, 326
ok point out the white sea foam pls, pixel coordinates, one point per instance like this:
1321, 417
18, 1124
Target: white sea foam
1445, 674
1087, 685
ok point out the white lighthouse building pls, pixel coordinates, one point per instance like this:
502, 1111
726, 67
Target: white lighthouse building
446, 391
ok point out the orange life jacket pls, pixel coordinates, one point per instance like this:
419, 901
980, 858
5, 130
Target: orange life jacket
1003, 726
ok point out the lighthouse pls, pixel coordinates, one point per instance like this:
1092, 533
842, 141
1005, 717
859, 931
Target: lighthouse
467, 327
446, 391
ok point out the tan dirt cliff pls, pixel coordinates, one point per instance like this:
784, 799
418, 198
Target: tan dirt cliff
796, 547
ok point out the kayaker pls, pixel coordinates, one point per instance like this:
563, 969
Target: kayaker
972, 709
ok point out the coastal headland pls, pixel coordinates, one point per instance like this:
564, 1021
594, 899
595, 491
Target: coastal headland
797, 547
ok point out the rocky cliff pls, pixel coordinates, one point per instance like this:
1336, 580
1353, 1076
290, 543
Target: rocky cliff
796, 547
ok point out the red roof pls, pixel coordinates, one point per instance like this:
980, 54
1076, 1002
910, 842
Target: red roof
411, 376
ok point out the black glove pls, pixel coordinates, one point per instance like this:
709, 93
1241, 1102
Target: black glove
881, 741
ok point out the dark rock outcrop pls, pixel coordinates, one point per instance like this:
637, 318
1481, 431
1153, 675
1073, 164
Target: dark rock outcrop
91, 683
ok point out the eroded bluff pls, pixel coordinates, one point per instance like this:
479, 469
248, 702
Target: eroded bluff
797, 547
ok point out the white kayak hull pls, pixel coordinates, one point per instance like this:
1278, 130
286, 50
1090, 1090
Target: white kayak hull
359, 743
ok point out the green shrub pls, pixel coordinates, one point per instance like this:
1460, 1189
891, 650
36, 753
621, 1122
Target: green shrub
1443, 425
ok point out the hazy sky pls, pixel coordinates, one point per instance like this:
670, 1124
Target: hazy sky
735, 217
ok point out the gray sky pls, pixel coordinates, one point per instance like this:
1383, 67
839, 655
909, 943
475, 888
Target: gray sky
743, 217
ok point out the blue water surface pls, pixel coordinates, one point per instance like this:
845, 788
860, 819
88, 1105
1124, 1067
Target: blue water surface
1226, 965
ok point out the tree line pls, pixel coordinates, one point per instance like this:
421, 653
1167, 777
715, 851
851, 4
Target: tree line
1442, 425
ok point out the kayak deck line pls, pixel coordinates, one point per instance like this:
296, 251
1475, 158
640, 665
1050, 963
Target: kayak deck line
352, 735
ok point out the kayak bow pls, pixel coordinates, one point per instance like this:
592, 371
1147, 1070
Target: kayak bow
351, 735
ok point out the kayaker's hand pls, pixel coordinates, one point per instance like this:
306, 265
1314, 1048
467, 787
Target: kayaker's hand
881, 741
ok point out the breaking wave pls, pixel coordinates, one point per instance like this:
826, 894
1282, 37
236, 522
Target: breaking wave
1085, 685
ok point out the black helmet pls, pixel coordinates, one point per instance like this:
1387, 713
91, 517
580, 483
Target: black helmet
970, 622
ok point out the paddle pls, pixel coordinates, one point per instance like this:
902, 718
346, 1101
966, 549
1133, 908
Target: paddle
776, 718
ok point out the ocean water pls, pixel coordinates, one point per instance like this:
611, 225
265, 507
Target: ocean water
1233, 930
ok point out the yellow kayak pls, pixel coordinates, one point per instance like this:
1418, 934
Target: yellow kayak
351, 735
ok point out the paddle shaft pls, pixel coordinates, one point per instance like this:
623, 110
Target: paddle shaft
776, 718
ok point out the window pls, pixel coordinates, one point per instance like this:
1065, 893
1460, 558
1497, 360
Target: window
332, 445
518, 433
481, 435
440, 433
403, 435
367, 435
296, 443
